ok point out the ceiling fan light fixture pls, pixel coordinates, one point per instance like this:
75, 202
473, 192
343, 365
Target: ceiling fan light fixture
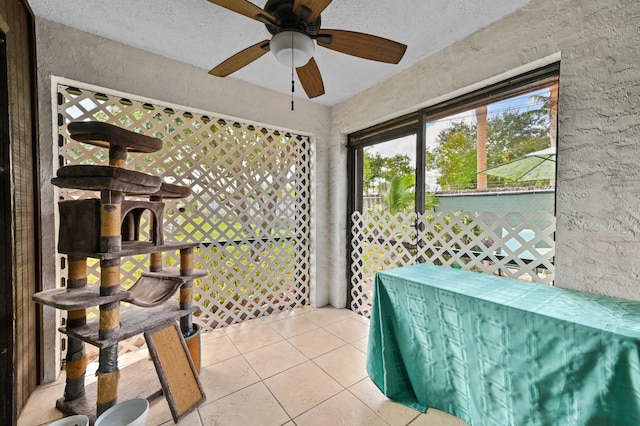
288, 45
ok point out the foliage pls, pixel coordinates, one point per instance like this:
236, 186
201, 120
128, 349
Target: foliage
401, 195
431, 201
455, 156
378, 170
393, 178
510, 135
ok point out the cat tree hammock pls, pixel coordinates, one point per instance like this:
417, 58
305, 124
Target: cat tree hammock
108, 229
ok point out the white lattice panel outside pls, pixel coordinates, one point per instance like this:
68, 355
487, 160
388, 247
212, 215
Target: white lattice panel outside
249, 206
512, 245
380, 240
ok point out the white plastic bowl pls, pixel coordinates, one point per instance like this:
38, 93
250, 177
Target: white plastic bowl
133, 412
77, 420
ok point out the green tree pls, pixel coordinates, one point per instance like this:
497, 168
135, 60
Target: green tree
394, 179
510, 135
455, 156
378, 171
398, 165
372, 171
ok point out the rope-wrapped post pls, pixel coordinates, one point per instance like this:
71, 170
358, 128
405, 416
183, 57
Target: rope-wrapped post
190, 332
110, 221
155, 261
108, 373
108, 378
186, 261
186, 290
110, 241
117, 155
76, 359
155, 223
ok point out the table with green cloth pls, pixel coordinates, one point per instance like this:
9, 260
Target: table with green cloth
499, 351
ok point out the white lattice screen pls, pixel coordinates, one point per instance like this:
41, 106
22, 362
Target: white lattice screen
249, 206
512, 245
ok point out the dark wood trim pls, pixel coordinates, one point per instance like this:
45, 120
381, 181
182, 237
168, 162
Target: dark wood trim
7, 377
409, 125
4, 27
388, 130
527, 82
539, 79
35, 131
21, 261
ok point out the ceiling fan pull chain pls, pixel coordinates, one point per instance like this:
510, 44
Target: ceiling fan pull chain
293, 84
293, 88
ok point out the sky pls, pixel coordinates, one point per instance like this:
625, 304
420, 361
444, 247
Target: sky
406, 145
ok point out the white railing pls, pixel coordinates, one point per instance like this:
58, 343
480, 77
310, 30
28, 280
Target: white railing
512, 245
249, 203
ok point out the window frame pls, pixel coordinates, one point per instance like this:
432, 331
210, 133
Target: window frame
415, 123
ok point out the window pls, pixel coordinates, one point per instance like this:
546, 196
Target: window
467, 183
469, 147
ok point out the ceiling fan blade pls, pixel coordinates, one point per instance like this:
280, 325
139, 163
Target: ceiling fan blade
362, 45
241, 59
315, 6
247, 9
311, 79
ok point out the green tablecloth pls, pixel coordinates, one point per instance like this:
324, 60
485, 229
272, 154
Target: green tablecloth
498, 351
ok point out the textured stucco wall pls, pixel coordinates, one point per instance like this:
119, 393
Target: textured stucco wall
598, 186
598, 181
72, 54
76, 55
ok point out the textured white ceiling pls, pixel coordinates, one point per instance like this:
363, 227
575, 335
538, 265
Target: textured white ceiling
203, 34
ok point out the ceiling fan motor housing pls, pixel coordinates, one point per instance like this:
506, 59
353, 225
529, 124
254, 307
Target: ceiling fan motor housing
289, 20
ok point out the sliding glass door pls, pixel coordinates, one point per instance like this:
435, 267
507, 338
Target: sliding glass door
469, 184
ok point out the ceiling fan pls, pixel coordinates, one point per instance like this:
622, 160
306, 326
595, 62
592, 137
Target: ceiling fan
294, 24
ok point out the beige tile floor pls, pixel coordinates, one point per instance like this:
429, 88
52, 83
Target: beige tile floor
305, 367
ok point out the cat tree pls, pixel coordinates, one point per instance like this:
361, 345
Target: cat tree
108, 229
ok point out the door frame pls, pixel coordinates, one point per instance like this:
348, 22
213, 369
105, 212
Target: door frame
411, 124
7, 377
